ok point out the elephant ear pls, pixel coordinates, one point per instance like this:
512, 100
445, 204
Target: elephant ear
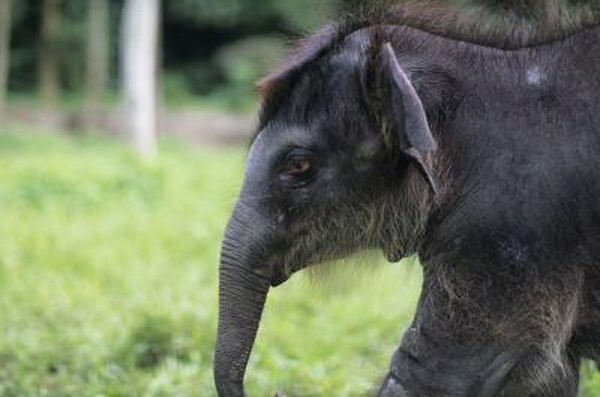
408, 117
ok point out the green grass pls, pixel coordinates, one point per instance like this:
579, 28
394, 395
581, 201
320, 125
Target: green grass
108, 275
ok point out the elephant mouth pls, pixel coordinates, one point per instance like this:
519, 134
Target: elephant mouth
280, 275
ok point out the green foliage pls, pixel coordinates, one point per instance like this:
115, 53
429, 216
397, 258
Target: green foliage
295, 15
591, 387
240, 64
196, 34
245, 61
108, 273
219, 12
308, 14
250, 38
72, 44
108, 276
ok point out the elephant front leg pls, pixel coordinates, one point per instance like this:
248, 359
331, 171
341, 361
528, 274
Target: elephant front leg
484, 335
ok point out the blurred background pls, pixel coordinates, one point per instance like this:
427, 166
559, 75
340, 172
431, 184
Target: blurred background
64, 62
123, 131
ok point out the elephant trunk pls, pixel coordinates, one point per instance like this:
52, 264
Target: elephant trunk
243, 287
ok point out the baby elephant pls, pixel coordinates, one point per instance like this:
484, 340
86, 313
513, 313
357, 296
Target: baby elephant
477, 147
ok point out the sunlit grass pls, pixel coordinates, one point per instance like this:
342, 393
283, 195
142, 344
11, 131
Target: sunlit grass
108, 277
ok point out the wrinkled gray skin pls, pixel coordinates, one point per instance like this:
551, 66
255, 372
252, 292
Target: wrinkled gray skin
504, 215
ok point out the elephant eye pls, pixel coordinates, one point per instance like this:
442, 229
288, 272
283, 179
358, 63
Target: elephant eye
298, 166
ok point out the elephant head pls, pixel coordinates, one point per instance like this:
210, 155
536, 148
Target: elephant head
341, 163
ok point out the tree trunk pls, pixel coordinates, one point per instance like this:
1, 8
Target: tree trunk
48, 62
97, 60
140, 62
4, 52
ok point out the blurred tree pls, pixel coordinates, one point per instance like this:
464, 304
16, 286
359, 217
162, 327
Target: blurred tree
48, 59
98, 39
140, 62
24, 47
73, 45
4, 51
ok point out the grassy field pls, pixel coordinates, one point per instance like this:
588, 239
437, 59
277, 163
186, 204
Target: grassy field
108, 274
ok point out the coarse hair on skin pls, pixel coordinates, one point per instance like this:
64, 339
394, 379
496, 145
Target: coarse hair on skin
501, 24
395, 219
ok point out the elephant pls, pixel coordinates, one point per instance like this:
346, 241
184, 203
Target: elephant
474, 147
